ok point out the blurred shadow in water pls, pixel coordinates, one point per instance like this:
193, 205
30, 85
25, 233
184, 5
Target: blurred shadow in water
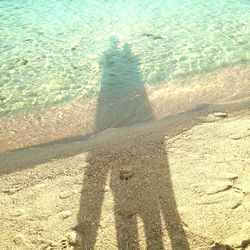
122, 98
136, 171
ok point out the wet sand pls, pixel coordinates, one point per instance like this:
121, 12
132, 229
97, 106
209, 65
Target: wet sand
78, 118
175, 183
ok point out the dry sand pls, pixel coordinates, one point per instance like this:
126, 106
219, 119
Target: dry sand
178, 183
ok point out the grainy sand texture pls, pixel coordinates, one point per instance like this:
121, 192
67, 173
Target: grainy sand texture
177, 183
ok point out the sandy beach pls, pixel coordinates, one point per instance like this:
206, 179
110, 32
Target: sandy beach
125, 125
182, 182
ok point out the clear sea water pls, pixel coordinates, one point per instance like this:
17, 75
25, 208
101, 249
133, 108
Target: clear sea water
50, 51
53, 52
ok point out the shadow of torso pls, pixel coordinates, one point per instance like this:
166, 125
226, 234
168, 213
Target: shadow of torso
122, 98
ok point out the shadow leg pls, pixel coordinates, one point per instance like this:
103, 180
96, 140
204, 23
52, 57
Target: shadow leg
94, 182
126, 230
172, 218
152, 224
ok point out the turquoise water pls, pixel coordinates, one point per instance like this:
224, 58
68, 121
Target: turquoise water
51, 52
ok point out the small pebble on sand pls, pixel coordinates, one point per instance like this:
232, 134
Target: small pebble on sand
65, 194
64, 214
72, 237
19, 240
220, 114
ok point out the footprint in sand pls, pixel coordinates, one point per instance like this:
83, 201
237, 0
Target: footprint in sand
52, 246
65, 244
219, 246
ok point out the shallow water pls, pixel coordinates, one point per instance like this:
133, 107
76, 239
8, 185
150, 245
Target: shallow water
108, 54
51, 51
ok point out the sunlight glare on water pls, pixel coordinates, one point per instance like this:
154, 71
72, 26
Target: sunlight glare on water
50, 51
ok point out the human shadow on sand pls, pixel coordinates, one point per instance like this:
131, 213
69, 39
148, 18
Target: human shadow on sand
135, 170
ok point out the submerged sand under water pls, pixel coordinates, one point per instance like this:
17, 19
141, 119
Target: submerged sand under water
80, 119
55, 51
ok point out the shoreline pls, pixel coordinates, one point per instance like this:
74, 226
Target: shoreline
217, 87
36, 154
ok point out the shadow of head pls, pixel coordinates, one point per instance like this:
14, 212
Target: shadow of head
122, 98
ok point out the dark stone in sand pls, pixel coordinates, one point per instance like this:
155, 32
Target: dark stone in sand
24, 62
